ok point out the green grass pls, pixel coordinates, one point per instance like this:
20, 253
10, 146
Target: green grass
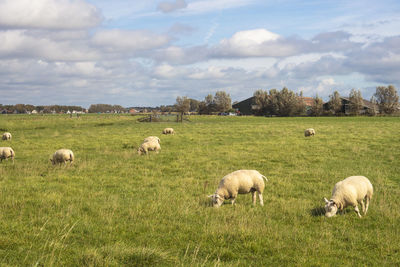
113, 207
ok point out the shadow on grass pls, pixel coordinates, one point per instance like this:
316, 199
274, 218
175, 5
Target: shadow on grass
317, 211
129, 146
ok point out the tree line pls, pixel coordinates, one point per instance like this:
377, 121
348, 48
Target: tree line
286, 102
27, 108
219, 103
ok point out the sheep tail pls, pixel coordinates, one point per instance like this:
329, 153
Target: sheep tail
264, 177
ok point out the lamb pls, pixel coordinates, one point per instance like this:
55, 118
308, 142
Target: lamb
168, 131
151, 145
309, 132
62, 156
349, 192
6, 136
6, 152
239, 182
150, 138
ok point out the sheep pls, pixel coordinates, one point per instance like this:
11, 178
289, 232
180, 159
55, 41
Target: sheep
239, 182
152, 145
168, 131
6, 136
150, 138
62, 156
6, 152
309, 132
349, 192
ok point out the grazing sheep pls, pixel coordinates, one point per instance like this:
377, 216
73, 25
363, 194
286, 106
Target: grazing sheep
6, 136
150, 138
6, 152
309, 132
168, 131
62, 156
349, 192
239, 182
151, 145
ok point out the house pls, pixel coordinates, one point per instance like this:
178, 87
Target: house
309, 102
367, 106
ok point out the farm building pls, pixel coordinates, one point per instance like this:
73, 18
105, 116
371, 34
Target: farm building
246, 107
367, 107
249, 106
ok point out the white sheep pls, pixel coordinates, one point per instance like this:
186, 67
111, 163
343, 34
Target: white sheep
151, 145
62, 156
309, 132
6, 152
239, 182
168, 131
6, 136
150, 138
349, 192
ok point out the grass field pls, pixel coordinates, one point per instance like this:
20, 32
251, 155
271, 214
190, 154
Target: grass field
113, 207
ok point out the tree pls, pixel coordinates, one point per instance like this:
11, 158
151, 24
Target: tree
288, 102
222, 101
387, 99
182, 104
194, 105
356, 101
261, 101
374, 110
335, 103
317, 107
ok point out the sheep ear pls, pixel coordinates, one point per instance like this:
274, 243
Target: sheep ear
210, 196
326, 201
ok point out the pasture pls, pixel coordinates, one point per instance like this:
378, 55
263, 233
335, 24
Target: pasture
113, 207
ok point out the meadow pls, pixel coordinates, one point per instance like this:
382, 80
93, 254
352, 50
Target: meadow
113, 207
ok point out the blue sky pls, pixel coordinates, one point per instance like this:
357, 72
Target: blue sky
148, 52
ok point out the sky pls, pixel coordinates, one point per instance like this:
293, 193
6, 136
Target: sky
148, 52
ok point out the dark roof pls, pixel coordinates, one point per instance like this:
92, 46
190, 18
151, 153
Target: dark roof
366, 103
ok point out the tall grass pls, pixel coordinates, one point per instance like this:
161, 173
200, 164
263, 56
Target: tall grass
113, 207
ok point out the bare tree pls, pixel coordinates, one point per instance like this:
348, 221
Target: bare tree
356, 101
387, 98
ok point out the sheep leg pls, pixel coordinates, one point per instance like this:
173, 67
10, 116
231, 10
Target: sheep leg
254, 196
233, 201
363, 206
366, 204
357, 211
261, 199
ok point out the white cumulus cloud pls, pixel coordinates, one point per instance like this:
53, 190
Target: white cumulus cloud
48, 14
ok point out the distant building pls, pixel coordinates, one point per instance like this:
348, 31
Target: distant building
309, 102
367, 106
246, 107
249, 106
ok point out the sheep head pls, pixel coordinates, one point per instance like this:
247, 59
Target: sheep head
331, 208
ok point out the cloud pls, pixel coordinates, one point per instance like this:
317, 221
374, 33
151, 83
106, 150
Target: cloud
48, 14
181, 29
22, 44
205, 6
168, 7
254, 43
118, 41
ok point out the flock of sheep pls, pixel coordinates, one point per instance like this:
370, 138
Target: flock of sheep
351, 191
